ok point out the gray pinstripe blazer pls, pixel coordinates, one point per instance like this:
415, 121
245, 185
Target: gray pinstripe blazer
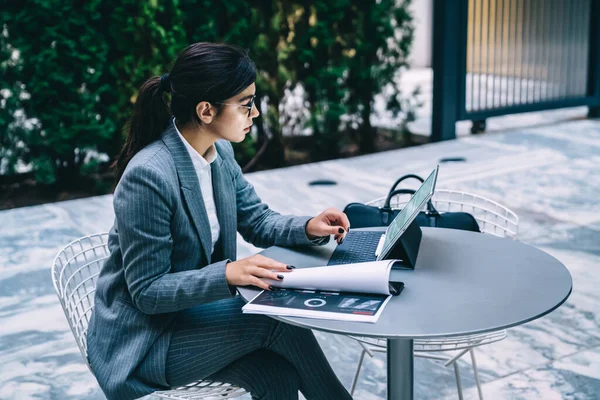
160, 259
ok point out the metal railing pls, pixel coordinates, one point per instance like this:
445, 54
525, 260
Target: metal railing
498, 57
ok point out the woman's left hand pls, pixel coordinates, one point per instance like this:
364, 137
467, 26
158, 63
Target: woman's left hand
329, 222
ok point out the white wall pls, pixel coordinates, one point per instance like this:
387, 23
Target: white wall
423, 21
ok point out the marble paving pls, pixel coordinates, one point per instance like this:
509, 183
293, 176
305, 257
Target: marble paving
548, 175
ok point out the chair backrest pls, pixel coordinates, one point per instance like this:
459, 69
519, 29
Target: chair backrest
74, 274
492, 217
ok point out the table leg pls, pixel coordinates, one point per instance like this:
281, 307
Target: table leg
400, 369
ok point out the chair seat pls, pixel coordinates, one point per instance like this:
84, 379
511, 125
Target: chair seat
458, 342
202, 390
441, 344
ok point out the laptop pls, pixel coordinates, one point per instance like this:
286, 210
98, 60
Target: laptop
364, 246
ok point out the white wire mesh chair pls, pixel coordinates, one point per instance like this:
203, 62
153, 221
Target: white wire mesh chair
493, 218
74, 274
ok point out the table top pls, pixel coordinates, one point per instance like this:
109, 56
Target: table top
463, 283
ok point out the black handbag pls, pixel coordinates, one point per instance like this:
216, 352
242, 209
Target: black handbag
366, 216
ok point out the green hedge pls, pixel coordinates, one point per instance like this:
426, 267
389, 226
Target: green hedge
70, 71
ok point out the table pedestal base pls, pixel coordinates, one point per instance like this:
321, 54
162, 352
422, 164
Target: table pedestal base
400, 369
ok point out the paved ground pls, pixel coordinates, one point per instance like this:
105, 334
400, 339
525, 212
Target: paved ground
548, 175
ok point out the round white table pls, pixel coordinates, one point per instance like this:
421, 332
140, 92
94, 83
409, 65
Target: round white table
463, 283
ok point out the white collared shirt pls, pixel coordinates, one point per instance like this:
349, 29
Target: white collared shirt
202, 167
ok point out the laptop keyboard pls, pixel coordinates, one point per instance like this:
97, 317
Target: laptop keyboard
357, 247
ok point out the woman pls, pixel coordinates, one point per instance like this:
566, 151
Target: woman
165, 311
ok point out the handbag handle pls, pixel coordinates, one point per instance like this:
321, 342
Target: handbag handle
402, 178
386, 206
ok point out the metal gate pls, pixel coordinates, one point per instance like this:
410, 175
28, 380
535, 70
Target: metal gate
498, 57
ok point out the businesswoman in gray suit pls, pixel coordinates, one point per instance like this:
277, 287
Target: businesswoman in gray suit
165, 311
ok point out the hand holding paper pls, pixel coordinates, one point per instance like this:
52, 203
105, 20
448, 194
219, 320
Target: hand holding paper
369, 277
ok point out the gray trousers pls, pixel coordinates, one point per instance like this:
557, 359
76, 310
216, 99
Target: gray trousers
270, 359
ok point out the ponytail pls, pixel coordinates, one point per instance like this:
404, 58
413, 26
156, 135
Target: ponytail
150, 118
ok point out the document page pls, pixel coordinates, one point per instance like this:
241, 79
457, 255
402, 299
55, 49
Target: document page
348, 292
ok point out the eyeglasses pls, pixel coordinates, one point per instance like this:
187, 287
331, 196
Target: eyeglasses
248, 106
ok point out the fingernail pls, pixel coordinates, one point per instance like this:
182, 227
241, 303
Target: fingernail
271, 287
341, 240
348, 230
341, 230
280, 277
290, 267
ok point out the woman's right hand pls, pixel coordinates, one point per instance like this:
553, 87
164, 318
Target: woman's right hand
250, 270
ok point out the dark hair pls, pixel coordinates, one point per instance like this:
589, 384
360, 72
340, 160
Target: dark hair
203, 72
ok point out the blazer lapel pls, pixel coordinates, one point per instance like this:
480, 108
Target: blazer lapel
190, 187
224, 193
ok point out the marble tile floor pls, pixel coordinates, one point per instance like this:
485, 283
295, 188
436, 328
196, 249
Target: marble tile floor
548, 175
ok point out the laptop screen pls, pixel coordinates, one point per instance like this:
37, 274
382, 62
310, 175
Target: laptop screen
408, 213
